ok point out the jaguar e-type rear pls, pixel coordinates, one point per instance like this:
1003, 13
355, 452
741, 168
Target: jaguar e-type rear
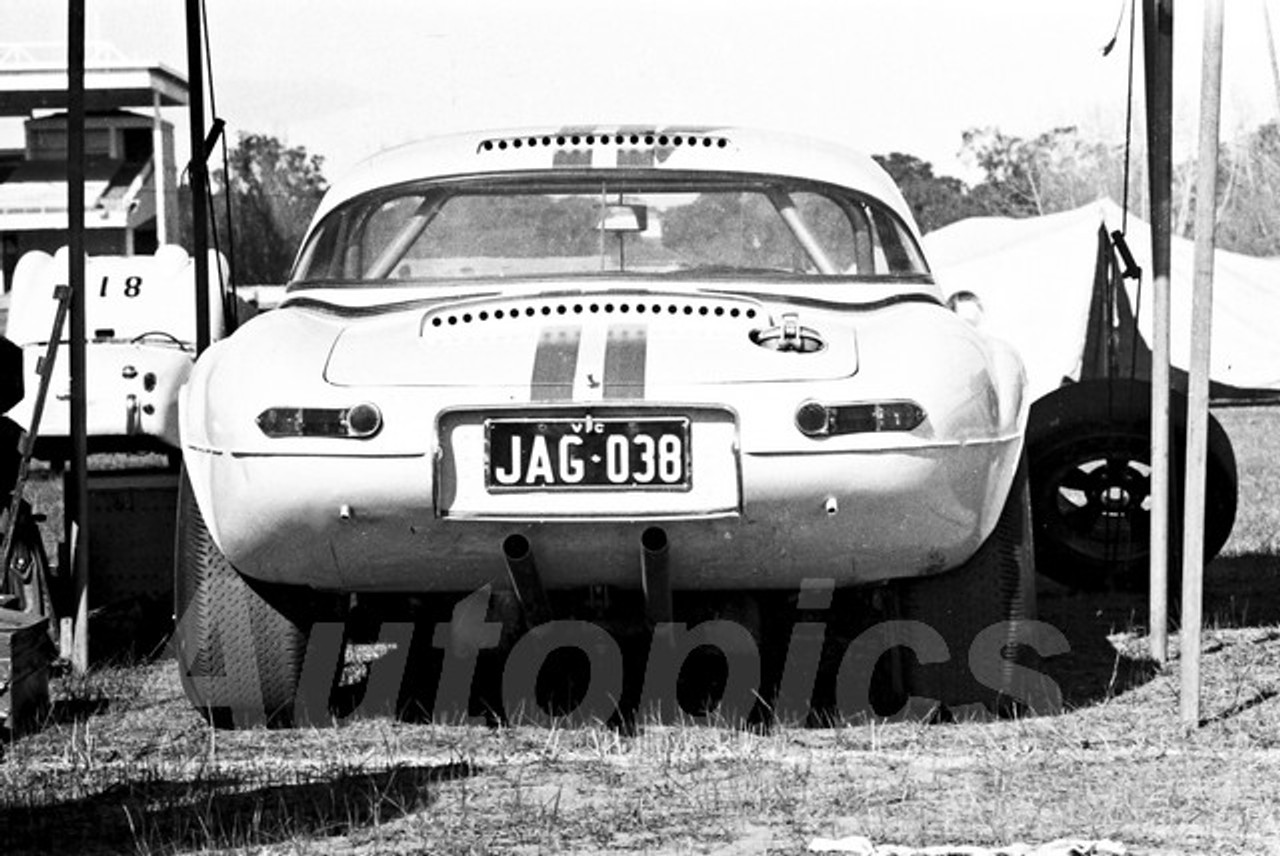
541, 360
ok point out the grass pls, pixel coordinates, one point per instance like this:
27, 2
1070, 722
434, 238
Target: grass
124, 765
130, 767
1253, 436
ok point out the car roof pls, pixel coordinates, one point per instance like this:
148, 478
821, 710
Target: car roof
713, 149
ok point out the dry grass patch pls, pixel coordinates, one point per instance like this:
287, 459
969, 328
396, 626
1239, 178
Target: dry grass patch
126, 765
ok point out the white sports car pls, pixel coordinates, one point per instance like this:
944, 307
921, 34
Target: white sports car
668, 364
141, 345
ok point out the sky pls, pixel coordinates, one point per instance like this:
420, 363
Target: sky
346, 79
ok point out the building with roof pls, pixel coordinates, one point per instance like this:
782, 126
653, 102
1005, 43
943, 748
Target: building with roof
130, 166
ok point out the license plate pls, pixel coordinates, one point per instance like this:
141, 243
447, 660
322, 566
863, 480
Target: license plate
649, 453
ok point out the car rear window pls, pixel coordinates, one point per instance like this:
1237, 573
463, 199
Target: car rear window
552, 226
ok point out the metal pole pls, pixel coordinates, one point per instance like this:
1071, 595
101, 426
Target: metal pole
1198, 385
1157, 29
199, 176
76, 501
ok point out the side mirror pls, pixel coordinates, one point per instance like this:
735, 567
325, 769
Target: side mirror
968, 306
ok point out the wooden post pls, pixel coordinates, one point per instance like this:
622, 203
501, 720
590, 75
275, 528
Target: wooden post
76, 501
159, 173
1198, 385
1157, 29
1271, 52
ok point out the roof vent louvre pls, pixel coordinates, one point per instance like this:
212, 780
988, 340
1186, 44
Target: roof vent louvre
648, 138
642, 306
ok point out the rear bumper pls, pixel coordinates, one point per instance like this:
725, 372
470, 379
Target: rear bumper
370, 524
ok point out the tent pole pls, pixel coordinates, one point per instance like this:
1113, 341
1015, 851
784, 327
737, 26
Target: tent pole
198, 172
1157, 29
1198, 384
76, 500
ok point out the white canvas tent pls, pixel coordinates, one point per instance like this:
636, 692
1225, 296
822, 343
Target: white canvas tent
1035, 278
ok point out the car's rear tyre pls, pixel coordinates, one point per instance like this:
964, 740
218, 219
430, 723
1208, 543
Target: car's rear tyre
240, 645
993, 592
1090, 457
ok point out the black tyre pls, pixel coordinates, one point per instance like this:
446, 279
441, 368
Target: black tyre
240, 645
992, 593
1090, 456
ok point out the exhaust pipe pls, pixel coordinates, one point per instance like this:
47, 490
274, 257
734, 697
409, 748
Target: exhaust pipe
654, 576
525, 580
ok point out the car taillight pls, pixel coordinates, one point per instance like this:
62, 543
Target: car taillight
815, 419
359, 422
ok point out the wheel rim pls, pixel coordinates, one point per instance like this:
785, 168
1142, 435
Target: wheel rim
1096, 504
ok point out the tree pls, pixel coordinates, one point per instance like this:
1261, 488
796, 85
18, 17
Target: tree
1059, 170
1248, 195
273, 191
935, 200
1055, 171
726, 228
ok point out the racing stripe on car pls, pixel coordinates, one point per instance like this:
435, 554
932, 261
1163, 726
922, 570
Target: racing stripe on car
641, 157
624, 361
588, 384
555, 362
569, 158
